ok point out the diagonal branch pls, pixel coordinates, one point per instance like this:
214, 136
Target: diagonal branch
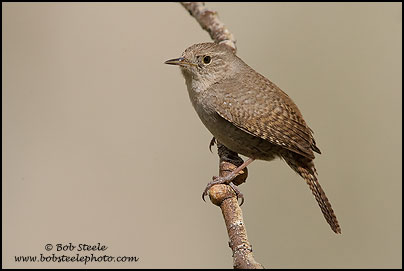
223, 196
210, 22
220, 194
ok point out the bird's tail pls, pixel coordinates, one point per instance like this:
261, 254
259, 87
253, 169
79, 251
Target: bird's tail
308, 172
321, 198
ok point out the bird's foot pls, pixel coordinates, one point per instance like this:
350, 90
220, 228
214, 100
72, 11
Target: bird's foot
224, 180
238, 193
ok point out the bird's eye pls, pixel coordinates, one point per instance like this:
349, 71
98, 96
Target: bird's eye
207, 59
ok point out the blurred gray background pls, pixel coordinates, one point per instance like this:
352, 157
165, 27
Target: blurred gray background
101, 144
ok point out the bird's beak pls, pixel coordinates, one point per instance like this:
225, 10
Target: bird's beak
178, 61
175, 61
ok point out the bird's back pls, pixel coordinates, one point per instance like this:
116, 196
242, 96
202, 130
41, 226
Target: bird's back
257, 106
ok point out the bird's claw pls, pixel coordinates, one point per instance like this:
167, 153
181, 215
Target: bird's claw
212, 143
216, 180
238, 193
223, 180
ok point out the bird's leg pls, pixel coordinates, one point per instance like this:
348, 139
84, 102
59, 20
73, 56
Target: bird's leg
228, 179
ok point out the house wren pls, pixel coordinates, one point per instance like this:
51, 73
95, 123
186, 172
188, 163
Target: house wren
249, 115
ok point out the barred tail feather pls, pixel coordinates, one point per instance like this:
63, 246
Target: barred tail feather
305, 168
321, 198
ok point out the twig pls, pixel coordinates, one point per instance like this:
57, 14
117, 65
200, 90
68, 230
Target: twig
220, 194
224, 197
210, 22
242, 251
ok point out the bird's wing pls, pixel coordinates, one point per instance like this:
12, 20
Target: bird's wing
265, 112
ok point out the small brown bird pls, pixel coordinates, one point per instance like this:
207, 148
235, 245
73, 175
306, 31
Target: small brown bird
249, 115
